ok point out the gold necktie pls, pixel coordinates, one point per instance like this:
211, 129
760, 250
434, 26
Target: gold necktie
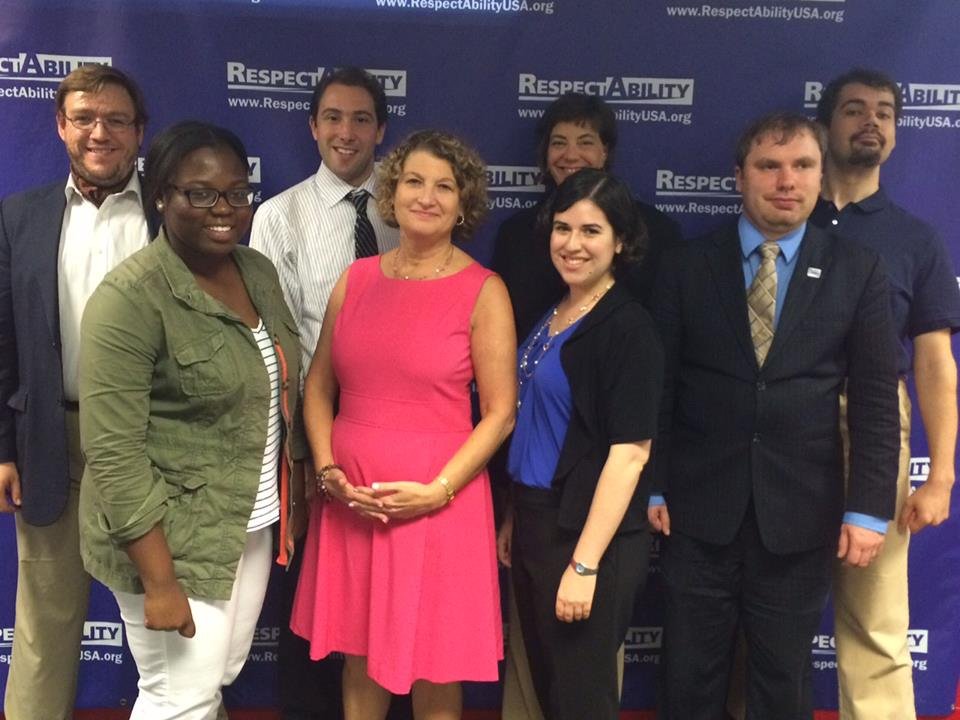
762, 300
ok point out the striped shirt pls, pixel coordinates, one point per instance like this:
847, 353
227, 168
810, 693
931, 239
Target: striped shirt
307, 231
266, 508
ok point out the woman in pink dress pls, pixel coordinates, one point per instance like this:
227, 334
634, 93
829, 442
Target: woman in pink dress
400, 570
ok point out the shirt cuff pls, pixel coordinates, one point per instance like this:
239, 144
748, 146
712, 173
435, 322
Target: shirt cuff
867, 522
656, 500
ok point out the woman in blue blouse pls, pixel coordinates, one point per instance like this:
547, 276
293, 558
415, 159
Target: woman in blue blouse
590, 374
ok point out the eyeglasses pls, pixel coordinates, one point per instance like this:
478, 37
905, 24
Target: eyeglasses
86, 123
208, 197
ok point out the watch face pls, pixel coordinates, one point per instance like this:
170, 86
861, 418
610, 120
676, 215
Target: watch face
580, 569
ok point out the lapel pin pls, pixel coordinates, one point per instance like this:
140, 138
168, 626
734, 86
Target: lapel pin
813, 272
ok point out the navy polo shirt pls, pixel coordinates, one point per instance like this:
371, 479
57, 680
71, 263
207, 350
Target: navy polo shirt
923, 283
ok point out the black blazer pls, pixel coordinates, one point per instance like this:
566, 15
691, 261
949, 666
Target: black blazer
32, 425
732, 432
614, 364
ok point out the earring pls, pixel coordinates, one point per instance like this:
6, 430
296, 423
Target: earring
159, 205
460, 220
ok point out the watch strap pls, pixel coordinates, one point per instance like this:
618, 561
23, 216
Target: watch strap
581, 569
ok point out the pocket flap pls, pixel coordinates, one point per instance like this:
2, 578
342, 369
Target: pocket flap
178, 483
200, 350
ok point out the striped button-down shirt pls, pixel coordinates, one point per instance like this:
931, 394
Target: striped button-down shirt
307, 231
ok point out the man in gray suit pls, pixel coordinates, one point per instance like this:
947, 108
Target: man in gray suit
56, 244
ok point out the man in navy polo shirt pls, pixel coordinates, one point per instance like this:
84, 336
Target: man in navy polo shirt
860, 110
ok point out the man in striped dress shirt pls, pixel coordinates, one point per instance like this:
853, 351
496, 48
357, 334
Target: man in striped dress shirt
312, 232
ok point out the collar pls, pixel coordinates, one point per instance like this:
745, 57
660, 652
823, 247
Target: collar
870, 204
184, 286
71, 190
751, 239
333, 190
181, 281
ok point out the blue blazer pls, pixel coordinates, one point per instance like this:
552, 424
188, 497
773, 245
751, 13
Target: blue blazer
733, 433
32, 424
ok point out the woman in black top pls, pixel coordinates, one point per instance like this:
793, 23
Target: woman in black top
590, 375
577, 131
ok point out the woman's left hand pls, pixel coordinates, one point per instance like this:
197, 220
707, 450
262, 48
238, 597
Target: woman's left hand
575, 596
404, 500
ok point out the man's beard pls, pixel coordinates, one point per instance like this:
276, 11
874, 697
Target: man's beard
865, 157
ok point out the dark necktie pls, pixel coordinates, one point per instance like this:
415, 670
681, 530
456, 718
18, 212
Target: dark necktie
365, 240
762, 300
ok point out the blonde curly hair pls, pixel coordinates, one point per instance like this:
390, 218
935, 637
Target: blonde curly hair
469, 171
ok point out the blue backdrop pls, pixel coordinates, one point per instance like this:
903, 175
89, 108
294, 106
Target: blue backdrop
683, 79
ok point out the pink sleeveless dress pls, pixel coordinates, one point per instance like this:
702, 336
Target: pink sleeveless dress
419, 598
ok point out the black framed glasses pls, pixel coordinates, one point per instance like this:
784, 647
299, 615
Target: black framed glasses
86, 123
208, 197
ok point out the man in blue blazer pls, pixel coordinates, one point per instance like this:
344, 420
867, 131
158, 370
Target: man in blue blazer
764, 323
56, 244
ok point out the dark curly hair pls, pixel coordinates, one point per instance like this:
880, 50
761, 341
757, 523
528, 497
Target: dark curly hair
580, 109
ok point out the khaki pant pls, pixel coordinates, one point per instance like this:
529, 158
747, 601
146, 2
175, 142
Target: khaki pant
519, 698
872, 616
51, 605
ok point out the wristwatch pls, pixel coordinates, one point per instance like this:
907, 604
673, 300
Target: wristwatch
581, 569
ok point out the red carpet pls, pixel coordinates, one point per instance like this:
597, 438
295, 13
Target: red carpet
468, 715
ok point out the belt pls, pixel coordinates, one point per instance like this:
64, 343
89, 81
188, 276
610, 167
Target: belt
535, 496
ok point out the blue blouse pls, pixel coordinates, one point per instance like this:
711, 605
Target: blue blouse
544, 409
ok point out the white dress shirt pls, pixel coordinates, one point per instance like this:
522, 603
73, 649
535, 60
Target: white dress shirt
93, 240
307, 231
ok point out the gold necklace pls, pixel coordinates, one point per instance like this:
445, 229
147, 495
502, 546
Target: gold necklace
581, 310
395, 267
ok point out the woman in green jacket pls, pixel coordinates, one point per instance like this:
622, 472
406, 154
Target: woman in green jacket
188, 377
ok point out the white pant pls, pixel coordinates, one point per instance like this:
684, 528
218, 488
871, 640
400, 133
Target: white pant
181, 678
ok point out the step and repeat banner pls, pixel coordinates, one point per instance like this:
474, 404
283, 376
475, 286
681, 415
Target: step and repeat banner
683, 78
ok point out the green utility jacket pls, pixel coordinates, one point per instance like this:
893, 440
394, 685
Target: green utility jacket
174, 398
